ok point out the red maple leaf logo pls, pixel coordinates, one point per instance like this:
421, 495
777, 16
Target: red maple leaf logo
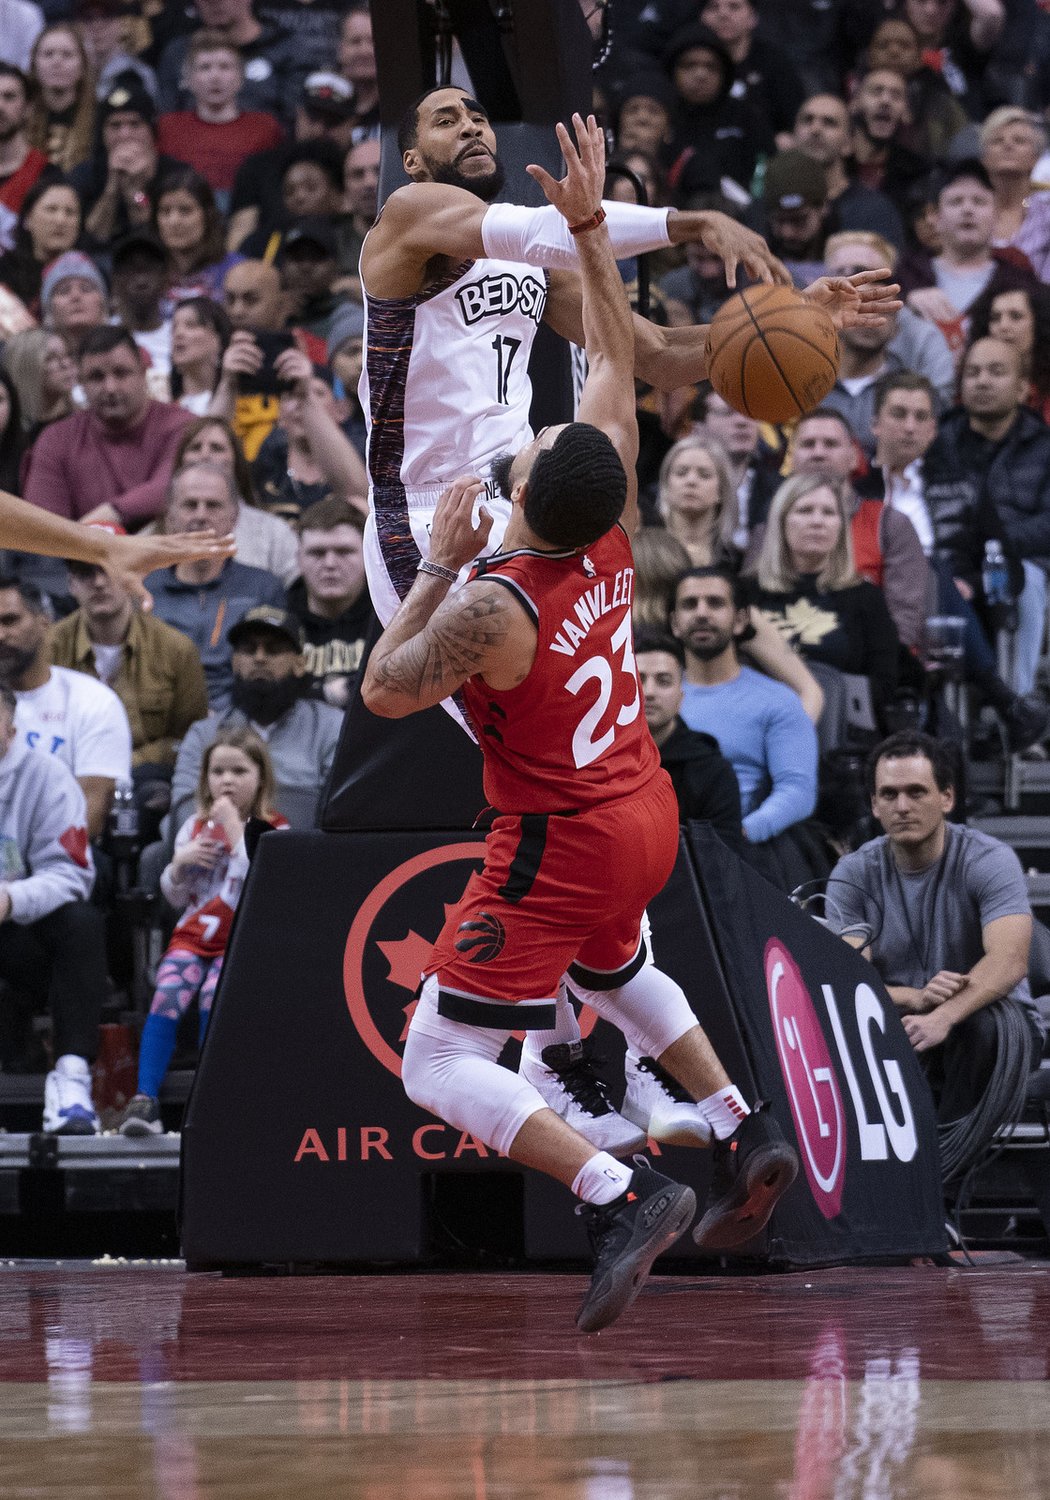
75, 842
407, 957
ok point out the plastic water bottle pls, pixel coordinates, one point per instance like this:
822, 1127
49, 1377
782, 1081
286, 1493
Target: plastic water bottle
124, 834
995, 576
995, 581
123, 814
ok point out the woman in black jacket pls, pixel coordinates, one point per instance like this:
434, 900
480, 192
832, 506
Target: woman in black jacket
808, 588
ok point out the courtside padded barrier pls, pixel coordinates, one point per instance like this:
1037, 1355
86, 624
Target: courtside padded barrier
300, 1147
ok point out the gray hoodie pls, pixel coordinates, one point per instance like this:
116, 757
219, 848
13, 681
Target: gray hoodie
45, 857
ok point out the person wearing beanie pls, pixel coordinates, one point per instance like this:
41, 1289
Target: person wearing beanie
115, 187
73, 298
714, 136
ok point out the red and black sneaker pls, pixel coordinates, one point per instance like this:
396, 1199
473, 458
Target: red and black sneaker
752, 1169
626, 1236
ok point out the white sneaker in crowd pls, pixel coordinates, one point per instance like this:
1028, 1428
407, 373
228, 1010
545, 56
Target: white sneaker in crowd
68, 1106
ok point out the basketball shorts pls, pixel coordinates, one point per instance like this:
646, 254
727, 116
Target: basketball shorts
397, 535
560, 893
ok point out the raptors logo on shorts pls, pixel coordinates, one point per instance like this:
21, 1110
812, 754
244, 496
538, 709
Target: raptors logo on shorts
482, 939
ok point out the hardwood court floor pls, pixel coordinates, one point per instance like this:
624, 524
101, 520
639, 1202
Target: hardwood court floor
886, 1384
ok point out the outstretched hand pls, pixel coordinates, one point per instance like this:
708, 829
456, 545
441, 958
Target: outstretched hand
863, 300
129, 558
736, 245
454, 538
578, 194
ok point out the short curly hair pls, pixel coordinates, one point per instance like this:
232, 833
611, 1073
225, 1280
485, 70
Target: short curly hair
577, 488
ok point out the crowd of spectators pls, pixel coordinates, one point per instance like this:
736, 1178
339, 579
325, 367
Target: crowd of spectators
183, 196
184, 191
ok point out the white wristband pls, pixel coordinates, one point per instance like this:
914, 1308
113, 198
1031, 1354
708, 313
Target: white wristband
540, 236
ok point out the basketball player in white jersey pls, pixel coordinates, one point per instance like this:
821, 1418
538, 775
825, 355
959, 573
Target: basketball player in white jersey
455, 288
454, 292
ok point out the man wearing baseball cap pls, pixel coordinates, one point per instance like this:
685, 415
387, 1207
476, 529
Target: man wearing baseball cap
795, 198
269, 682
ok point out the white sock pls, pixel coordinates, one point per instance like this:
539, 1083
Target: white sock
566, 1028
724, 1111
602, 1179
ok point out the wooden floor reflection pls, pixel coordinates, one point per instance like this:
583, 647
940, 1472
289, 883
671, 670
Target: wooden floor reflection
836, 1385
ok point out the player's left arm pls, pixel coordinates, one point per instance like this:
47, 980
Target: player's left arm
668, 358
435, 642
608, 400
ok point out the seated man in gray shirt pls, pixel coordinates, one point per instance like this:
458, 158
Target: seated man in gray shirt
945, 920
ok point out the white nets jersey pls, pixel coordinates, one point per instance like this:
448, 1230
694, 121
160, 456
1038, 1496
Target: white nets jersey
445, 389
445, 385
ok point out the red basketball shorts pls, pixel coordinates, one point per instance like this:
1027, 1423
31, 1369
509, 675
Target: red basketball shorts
557, 890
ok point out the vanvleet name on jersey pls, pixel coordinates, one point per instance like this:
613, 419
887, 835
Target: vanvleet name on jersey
592, 604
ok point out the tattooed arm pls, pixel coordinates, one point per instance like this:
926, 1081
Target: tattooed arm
434, 643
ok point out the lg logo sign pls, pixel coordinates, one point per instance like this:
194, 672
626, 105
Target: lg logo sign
813, 1084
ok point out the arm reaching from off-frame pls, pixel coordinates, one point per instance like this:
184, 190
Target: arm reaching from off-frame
27, 528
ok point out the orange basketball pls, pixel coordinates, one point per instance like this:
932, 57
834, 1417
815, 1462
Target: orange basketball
771, 353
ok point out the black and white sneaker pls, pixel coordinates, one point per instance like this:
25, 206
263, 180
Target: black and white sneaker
752, 1169
626, 1236
660, 1105
569, 1085
141, 1116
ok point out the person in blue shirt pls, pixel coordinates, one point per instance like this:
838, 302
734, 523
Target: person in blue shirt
760, 725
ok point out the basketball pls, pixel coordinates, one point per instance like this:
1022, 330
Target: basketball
771, 353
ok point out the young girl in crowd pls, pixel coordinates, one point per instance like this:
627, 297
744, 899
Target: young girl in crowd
204, 879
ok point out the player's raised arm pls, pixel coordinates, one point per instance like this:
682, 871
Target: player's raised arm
608, 401
449, 151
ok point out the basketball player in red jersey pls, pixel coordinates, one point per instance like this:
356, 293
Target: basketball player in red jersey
539, 641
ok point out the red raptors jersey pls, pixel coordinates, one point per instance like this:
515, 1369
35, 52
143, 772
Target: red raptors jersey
573, 734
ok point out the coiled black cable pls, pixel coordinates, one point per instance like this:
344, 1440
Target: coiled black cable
963, 1142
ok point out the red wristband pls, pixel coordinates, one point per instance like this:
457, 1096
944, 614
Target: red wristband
598, 217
